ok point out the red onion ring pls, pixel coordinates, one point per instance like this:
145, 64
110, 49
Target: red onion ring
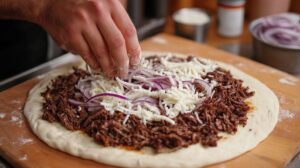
206, 86
108, 94
145, 99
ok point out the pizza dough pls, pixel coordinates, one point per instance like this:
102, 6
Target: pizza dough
261, 122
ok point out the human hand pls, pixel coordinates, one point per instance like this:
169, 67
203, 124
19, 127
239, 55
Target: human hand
98, 30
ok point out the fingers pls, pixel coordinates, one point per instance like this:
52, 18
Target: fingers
103, 34
99, 49
128, 30
115, 42
77, 44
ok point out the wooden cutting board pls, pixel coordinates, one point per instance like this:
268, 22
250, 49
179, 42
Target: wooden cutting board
23, 149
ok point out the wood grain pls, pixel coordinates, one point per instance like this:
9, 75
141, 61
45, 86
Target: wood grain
23, 149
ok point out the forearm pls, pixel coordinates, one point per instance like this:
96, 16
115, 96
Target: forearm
21, 9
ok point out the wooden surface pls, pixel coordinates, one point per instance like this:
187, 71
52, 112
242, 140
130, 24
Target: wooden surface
20, 147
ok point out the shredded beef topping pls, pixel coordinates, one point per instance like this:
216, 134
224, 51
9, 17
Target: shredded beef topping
223, 112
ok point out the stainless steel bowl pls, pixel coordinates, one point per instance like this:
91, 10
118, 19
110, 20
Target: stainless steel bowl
193, 31
281, 58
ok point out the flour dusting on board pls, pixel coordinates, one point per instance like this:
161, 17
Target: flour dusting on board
23, 158
23, 140
17, 118
41, 76
2, 115
288, 80
267, 70
159, 40
14, 118
285, 114
284, 100
16, 101
17, 104
240, 65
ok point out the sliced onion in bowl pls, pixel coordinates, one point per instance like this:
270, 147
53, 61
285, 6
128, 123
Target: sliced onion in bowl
281, 30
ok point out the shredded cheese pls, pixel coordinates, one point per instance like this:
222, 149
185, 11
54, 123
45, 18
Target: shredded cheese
180, 98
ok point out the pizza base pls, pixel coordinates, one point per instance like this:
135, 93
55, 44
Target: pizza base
261, 121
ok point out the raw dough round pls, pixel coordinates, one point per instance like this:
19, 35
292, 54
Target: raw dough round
261, 122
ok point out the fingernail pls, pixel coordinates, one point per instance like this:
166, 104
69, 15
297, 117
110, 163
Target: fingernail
123, 72
136, 60
110, 73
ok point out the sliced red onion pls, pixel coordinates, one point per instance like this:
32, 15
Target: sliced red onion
145, 99
128, 85
140, 77
199, 103
91, 109
86, 93
187, 84
150, 71
77, 94
132, 73
141, 72
280, 21
84, 87
173, 81
279, 36
280, 30
147, 83
158, 67
158, 78
83, 104
108, 94
75, 102
198, 118
206, 86
89, 78
163, 81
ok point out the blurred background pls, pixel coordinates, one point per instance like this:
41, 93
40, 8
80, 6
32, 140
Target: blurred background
25, 45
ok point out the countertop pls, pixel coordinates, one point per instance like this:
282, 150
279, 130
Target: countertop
278, 150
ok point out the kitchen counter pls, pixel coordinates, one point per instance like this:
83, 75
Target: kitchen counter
278, 150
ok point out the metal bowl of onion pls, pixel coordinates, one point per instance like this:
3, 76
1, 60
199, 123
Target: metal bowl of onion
276, 41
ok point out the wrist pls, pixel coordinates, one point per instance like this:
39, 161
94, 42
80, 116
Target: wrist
35, 11
29, 10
